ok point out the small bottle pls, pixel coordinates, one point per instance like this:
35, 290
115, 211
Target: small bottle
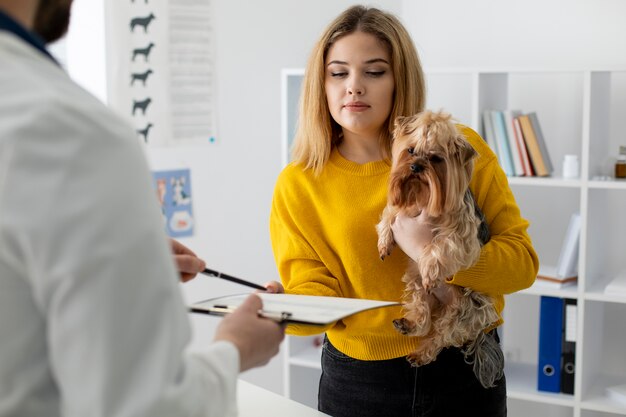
571, 167
620, 165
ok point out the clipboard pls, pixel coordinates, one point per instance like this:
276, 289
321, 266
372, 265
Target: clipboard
294, 309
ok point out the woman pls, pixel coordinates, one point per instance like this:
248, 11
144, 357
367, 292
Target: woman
362, 74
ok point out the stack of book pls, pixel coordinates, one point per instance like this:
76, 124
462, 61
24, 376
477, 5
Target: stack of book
566, 271
518, 142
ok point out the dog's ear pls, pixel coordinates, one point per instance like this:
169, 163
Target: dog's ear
466, 151
400, 121
465, 154
404, 125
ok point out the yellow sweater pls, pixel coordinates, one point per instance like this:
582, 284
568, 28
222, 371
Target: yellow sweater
325, 243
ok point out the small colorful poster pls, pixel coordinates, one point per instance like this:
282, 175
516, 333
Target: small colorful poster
173, 190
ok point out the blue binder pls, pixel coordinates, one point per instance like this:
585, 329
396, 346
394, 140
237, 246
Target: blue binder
550, 331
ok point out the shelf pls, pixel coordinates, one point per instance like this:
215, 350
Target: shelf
544, 182
566, 292
598, 295
609, 185
560, 182
521, 381
308, 358
597, 399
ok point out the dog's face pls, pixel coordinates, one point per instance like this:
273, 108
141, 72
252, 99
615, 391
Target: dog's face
432, 164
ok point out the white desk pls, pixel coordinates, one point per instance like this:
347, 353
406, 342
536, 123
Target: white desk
254, 401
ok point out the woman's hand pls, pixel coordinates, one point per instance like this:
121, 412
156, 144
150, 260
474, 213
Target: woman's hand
412, 234
274, 287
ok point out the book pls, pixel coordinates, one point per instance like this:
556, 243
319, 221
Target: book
532, 145
516, 153
565, 273
534, 120
568, 345
504, 153
550, 344
521, 147
292, 308
567, 266
488, 133
547, 277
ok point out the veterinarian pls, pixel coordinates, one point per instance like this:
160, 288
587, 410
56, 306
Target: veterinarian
92, 321
364, 72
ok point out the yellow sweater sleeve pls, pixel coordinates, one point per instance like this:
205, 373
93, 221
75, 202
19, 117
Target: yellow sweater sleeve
508, 262
300, 268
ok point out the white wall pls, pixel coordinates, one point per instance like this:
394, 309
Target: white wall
233, 179
532, 33
85, 46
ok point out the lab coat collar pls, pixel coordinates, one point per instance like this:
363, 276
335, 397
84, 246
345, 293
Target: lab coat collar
9, 24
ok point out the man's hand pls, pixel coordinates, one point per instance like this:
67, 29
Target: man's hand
256, 338
412, 234
187, 262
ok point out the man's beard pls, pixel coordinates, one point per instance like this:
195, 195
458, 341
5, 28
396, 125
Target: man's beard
52, 19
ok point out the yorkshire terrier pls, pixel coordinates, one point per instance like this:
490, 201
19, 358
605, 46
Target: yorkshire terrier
432, 166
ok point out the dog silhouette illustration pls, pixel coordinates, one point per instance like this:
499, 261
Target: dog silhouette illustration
143, 51
144, 132
140, 76
141, 21
141, 105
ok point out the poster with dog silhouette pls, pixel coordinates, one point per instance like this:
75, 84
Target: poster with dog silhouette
161, 69
173, 190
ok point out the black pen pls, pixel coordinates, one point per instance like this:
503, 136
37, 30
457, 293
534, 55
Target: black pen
217, 274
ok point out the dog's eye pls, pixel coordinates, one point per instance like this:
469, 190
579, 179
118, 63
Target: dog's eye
411, 150
435, 158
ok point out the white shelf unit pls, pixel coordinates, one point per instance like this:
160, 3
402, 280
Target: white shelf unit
582, 112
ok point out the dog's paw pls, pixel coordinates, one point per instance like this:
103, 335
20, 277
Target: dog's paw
416, 359
384, 249
404, 326
385, 246
386, 241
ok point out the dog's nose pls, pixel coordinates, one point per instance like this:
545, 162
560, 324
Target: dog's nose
416, 168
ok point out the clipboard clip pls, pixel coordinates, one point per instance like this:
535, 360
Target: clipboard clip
277, 316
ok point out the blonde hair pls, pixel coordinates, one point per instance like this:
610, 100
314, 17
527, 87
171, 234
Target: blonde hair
317, 133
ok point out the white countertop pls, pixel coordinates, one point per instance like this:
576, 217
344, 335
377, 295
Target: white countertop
254, 401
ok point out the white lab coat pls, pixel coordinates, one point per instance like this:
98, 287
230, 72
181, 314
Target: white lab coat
92, 322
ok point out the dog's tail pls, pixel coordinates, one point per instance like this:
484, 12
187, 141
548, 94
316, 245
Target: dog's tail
487, 357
